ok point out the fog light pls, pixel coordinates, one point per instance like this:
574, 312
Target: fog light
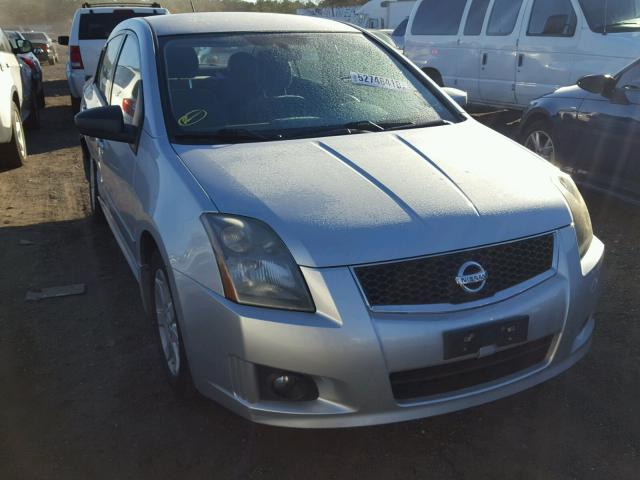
281, 385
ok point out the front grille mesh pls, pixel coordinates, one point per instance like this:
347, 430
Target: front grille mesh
431, 280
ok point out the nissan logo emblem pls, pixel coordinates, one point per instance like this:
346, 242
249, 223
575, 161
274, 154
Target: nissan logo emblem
472, 277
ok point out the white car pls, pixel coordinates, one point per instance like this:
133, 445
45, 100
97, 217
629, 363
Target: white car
91, 26
13, 147
510, 52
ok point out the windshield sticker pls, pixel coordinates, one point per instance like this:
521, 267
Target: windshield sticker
376, 81
192, 117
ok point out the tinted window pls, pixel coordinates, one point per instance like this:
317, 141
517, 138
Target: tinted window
98, 26
552, 18
503, 17
621, 15
400, 29
438, 17
475, 18
105, 74
226, 88
127, 80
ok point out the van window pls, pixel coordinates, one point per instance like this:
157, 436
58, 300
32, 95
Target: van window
552, 18
435, 17
503, 17
612, 15
475, 18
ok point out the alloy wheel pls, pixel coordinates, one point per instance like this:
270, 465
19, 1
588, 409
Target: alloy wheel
21, 142
167, 323
541, 143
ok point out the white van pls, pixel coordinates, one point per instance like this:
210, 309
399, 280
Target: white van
91, 26
509, 52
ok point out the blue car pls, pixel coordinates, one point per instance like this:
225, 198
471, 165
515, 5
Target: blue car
591, 129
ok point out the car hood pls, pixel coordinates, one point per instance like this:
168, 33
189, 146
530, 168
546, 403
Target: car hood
375, 197
571, 91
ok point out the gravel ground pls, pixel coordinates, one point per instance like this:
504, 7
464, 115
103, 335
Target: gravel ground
83, 394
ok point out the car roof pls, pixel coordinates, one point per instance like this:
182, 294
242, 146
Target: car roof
227, 22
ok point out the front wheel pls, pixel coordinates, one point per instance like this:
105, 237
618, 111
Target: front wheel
52, 61
14, 152
169, 333
539, 138
33, 121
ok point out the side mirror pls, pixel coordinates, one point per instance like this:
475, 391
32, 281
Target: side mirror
458, 96
599, 84
23, 46
63, 39
106, 123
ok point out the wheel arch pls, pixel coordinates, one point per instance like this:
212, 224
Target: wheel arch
531, 117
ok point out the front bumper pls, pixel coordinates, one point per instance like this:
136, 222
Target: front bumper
350, 350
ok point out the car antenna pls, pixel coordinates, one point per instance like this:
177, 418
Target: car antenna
192, 7
606, 14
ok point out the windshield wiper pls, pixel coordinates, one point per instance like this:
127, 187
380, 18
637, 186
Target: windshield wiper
225, 135
408, 125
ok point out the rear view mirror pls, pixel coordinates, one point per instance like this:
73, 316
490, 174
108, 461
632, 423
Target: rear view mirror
63, 39
599, 84
106, 123
23, 46
458, 96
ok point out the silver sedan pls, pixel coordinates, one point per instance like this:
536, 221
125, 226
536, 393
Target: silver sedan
322, 236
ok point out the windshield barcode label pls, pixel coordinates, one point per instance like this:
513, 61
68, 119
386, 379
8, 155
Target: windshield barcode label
376, 81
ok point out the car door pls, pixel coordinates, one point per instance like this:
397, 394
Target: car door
120, 158
498, 57
612, 133
98, 94
470, 48
546, 49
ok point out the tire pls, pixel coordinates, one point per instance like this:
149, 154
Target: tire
14, 152
170, 340
75, 104
33, 122
41, 99
435, 76
52, 60
94, 203
538, 136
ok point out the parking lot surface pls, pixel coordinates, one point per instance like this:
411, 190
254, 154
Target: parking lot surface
83, 394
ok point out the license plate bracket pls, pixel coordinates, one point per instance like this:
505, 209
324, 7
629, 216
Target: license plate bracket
469, 341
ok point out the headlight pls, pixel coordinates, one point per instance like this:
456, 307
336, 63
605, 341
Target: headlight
255, 265
579, 212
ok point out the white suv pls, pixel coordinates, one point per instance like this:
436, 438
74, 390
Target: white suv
12, 141
91, 26
510, 52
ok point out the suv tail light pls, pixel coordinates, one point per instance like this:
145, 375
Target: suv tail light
75, 57
29, 62
129, 106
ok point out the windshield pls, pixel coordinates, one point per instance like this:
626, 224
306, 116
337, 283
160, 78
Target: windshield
259, 87
612, 15
36, 37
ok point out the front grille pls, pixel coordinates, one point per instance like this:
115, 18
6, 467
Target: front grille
450, 377
432, 280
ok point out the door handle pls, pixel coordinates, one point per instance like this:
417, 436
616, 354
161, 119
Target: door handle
520, 59
484, 58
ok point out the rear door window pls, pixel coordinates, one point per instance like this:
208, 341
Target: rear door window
98, 26
475, 18
552, 18
503, 17
105, 73
437, 17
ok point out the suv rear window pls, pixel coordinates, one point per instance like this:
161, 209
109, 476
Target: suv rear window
98, 26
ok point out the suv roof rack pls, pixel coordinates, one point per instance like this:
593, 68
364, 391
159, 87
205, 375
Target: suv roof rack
121, 4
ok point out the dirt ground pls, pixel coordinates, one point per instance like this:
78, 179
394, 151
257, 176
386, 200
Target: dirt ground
82, 393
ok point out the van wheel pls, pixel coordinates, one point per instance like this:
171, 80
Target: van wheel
52, 61
33, 122
538, 137
15, 151
170, 338
435, 76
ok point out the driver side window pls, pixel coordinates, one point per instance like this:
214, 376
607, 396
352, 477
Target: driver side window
127, 80
104, 77
630, 78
